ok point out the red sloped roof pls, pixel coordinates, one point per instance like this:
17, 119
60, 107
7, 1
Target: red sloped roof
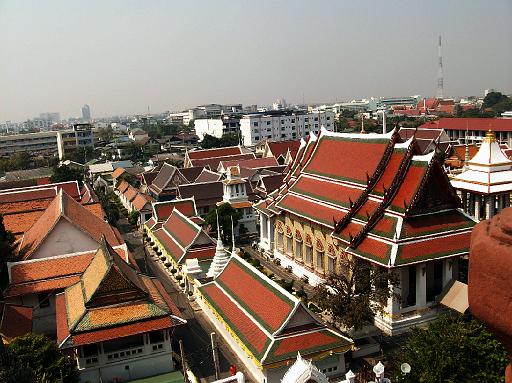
169, 244
269, 306
123, 186
66, 206
353, 168
27, 195
253, 163
130, 193
163, 210
373, 249
480, 124
216, 152
118, 172
280, 148
202, 253
390, 172
431, 248
415, 174
181, 228
334, 193
249, 333
214, 162
310, 209
442, 221
15, 320
140, 202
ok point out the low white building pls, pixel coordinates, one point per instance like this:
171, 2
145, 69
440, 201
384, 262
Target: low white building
283, 125
216, 127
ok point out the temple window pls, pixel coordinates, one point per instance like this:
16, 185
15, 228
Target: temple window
280, 240
309, 253
298, 249
289, 245
319, 259
331, 262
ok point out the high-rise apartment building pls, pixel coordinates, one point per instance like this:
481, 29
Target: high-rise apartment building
86, 113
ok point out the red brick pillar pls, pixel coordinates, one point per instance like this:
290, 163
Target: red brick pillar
490, 285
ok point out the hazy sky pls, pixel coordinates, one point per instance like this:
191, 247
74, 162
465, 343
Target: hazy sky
121, 56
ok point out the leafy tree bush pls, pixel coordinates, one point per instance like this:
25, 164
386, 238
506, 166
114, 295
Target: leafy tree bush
133, 217
11, 368
44, 358
65, 173
453, 349
210, 142
354, 297
225, 212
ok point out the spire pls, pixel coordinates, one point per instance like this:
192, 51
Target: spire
233, 248
221, 257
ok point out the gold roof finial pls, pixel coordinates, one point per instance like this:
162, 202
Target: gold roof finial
489, 137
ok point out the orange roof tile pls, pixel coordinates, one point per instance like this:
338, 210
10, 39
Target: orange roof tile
15, 320
118, 172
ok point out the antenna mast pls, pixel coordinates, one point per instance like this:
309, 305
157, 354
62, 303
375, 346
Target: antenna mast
440, 71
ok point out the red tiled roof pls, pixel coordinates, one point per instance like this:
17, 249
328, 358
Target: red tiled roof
280, 148
309, 209
254, 163
140, 202
324, 160
433, 223
181, 228
191, 173
118, 172
27, 195
64, 205
130, 193
15, 320
249, 333
163, 210
480, 124
373, 249
334, 193
202, 253
216, 152
434, 248
25, 206
259, 298
41, 286
390, 172
170, 245
204, 194
207, 176
213, 163
123, 186
415, 174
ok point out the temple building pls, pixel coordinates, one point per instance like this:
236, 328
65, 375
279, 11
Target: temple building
236, 193
116, 322
372, 198
265, 325
485, 184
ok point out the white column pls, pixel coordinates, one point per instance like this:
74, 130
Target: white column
421, 285
447, 271
477, 207
489, 206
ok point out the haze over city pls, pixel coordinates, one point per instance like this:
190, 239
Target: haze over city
122, 56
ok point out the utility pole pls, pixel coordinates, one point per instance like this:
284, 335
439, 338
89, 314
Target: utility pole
215, 355
183, 361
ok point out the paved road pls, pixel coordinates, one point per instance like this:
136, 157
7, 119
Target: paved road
196, 334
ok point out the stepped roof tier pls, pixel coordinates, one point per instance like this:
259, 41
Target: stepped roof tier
488, 172
272, 324
112, 300
381, 201
181, 238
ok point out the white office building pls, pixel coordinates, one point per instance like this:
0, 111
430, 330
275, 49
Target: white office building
283, 125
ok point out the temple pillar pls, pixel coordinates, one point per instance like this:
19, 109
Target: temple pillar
489, 206
421, 285
471, 205
477, 207
447, 271
465, 201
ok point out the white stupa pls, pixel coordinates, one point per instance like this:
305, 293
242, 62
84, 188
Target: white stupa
303, 371
486, 183
220, 258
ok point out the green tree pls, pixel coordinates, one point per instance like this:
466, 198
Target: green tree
6, 252
225, 212
19, 160
65, 173
133, 217
43, 357
106, 134
353, 297
210, 142
453, 349
11, 368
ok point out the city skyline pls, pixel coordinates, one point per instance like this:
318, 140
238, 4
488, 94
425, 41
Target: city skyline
121, 57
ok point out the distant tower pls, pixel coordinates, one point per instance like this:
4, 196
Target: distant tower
86, 113
440, 72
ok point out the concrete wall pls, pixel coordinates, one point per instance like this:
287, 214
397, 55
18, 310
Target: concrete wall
65, 238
